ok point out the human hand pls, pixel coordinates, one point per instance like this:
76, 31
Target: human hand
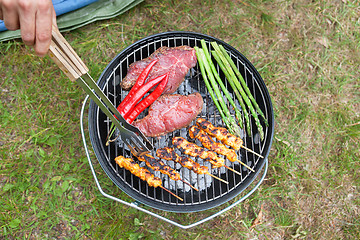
34, 18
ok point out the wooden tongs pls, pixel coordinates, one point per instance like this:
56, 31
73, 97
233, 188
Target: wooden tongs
75, 69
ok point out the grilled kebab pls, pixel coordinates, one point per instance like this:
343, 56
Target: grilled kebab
169, 154
158, 165
220, 133
209, 143
194, 150
223, 135
142, 173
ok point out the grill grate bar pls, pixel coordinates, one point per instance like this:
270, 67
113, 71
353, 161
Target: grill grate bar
248, 155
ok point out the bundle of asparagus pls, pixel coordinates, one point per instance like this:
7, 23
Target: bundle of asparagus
238, 85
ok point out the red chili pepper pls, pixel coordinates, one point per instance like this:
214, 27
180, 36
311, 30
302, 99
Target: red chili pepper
139, 82
140, 93
130, 117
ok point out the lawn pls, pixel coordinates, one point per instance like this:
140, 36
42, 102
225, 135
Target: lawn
308, 53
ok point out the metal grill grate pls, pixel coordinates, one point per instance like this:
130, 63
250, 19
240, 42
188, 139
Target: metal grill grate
211, 191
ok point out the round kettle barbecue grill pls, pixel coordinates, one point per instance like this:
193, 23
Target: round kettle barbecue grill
212, 193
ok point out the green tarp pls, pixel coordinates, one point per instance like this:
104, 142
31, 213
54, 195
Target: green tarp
102, 9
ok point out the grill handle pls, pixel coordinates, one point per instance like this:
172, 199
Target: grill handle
65, 57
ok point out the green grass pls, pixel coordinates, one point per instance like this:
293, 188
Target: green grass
307, 52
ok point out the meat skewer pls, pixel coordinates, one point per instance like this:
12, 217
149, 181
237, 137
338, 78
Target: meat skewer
158, 165
210, 144
223, 135
142, 173
169, 154
194, 150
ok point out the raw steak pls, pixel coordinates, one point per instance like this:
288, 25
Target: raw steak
170, 112
176, 60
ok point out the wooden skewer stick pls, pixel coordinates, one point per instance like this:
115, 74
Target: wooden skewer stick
222, 180
245, 165
232, 170
247, 149
190, 185
172, 193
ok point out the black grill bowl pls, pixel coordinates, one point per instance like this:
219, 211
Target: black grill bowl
212, 192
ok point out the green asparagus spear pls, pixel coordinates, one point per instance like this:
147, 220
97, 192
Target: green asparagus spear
243, 83
211, 92
239, 87
223, 88
233, 125
247, 123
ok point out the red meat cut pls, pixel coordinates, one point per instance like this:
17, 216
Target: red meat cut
169, 113
175, 60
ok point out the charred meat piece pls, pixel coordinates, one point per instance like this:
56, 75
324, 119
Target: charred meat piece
169, 113
176, 60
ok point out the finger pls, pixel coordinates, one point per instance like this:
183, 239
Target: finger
10, 16
27, 22
1, 14
43, 25
54, 18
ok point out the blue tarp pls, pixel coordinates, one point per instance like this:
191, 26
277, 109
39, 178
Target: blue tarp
61, 7
98, 10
